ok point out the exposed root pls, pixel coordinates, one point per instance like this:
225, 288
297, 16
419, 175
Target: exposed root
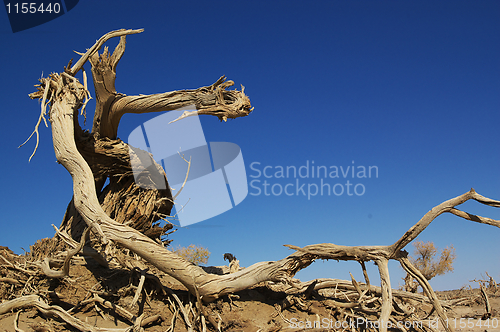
139, 289
16, 328
47, 262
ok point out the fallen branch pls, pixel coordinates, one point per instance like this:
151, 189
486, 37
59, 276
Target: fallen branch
116, 308
415, 273
47, 262
35, 301
16, 328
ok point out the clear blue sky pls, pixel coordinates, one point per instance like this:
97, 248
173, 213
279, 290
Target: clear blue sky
412, 87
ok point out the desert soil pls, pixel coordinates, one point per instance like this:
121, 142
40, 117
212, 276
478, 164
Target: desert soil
250, 310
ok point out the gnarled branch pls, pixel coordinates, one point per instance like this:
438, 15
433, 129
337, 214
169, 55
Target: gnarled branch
80, 154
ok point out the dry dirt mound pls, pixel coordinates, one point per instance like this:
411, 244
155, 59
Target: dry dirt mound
115, 298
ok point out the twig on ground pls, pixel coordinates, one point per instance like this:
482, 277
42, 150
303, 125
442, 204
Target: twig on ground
139, 289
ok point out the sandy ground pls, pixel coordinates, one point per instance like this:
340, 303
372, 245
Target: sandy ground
251, 310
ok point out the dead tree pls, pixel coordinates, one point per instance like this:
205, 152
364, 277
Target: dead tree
122, 212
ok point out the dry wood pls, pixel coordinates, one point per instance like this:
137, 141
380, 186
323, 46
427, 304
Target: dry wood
487, 305
447, 206
492, 284
35, 301
424, 283
47, 262
385, 284
86, 250
182, 309
116, 308
209, 286
118, 33
76, 323
91, 158
10, 281
16, 328
18, 303
342, 285
139, 289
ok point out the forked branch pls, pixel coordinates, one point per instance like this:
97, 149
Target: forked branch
97, 46
447, 206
